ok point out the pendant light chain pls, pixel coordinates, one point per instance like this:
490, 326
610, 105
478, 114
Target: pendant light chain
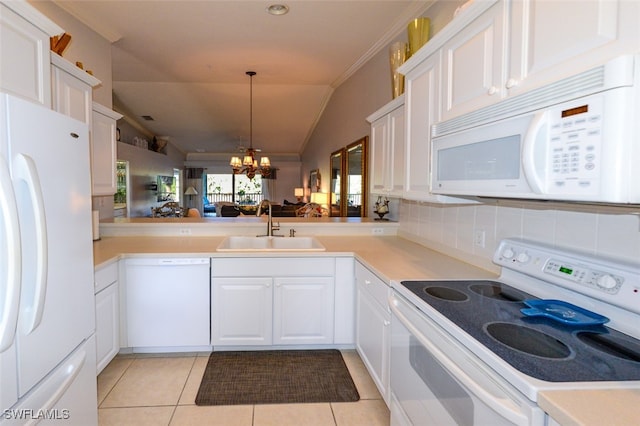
250, 163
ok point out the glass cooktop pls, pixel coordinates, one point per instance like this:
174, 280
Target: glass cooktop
489, 311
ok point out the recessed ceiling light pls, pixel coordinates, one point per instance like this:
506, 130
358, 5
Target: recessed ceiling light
278, 9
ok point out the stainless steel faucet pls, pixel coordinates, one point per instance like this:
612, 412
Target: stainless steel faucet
270, 226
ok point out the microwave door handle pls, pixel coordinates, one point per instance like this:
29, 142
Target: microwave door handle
10, 281
536, 132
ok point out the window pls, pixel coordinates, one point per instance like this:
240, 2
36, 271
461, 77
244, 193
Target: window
233, 188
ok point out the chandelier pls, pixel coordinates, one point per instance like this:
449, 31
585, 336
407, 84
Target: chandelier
249, 164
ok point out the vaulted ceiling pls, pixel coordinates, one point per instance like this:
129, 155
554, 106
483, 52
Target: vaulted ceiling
183, 63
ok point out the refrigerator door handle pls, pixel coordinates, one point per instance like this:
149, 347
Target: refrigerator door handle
10, 282
25, 169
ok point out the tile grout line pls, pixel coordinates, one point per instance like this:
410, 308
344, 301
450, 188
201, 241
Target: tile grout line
186, 380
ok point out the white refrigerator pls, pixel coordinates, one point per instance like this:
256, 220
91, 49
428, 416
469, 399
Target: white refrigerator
47, 309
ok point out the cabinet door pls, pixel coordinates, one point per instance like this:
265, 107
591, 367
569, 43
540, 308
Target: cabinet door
71, 96
24, 58
372, 339
472, 64
241, 311
422, 106
107, 326
378, 173
555, 39
396, 151
303, 310
103, 152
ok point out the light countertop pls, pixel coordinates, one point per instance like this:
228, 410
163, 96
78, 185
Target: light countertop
394, 258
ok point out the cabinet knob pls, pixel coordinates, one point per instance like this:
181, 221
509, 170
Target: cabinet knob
492, 90
386, 323
511, 83
367, 282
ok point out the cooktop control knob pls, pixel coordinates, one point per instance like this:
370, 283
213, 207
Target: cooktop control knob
606, 281
507, 253
522, 257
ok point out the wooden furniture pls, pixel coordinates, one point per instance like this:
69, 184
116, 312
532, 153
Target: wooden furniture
169, 209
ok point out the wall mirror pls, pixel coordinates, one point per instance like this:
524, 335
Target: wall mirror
336, 189
349, 180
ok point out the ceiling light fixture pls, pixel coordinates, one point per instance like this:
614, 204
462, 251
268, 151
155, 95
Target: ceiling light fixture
249, 162
278, 9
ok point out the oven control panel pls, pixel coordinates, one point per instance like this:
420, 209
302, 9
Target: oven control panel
584, 275
615, 282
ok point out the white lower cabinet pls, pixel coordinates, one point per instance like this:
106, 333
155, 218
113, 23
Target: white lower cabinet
241, 310
373, 327
272, 301
107, 315
303, 310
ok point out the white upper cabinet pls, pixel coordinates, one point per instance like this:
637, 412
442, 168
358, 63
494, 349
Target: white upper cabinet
103, 150
472, 64
550, 40
386, 174
72, 89
516, 46
24, 52
422, 105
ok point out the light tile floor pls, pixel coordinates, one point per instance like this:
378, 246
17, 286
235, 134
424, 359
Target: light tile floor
161, 389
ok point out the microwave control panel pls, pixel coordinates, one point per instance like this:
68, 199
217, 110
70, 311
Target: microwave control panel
575, 142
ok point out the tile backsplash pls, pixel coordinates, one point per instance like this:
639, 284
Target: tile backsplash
472, 232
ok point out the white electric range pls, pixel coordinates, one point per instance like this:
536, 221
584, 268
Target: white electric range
478, 352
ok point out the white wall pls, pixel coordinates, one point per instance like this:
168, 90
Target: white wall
344, 118
144, 167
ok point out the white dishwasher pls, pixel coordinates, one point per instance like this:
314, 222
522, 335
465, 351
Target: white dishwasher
167, 303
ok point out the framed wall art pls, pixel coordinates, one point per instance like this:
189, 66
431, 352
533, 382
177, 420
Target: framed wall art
314, 180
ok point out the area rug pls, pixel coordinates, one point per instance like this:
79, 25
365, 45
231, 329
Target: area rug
276, 377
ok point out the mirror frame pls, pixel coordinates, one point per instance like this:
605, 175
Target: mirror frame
341, 207
364, 142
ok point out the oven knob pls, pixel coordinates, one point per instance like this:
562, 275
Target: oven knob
522, 257
507, 253
606, 281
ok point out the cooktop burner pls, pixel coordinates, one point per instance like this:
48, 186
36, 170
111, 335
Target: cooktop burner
489, 311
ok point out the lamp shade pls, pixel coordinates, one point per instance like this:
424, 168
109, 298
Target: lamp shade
191, 191
298, 192
319, 198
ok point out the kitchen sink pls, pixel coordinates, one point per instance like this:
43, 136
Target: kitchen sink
241, 243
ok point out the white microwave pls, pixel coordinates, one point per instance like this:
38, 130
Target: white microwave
578, 141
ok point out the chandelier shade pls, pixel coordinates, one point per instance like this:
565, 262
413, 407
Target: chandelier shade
249, 164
